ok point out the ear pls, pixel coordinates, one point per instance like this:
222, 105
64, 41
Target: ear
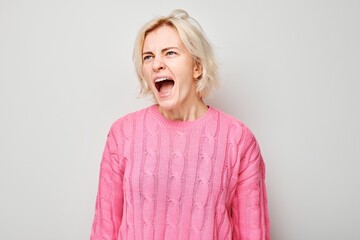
197, 70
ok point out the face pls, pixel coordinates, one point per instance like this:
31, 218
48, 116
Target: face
169, 69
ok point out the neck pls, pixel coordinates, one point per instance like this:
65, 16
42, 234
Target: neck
191, 113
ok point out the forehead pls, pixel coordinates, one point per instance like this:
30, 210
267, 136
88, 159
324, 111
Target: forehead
162, 37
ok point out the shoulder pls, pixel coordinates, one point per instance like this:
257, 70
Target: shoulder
129, 118
123, 126
238, 130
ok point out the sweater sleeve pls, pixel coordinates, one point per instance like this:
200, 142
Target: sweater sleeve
109, 201
249, 204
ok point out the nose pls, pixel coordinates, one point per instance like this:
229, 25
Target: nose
158, 64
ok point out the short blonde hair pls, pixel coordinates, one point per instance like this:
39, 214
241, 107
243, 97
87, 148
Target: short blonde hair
195, 41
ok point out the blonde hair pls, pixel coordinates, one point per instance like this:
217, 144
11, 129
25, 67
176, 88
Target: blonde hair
194, 39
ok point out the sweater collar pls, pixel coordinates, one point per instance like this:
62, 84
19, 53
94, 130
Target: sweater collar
160, 119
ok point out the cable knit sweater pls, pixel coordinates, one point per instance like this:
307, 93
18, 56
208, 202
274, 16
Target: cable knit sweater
163, 179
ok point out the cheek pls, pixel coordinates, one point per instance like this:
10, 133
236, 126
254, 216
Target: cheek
145, 73
187, 72
147, 77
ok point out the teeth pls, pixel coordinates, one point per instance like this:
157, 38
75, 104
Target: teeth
160, 79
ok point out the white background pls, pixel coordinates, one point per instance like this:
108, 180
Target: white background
290, 70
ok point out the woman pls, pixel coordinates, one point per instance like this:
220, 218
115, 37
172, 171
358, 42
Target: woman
179, 169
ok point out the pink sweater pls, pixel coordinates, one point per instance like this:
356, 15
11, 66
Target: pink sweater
163, 179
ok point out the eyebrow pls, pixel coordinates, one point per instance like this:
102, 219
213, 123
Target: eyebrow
162, 50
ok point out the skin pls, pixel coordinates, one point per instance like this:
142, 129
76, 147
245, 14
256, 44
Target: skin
165, 55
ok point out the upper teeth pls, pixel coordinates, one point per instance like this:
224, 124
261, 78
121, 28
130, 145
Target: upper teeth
160, 79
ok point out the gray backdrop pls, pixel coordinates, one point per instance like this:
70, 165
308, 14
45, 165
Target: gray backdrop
289, 70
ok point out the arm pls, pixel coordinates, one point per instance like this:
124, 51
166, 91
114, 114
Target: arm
109, 201
249, 205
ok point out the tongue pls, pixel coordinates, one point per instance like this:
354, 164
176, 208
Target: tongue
166, 87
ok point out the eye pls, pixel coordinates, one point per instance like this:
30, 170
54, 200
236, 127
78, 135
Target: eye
147, 57
170, 53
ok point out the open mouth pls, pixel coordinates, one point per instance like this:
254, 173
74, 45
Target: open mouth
164, 85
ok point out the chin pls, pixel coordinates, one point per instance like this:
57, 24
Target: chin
168, 104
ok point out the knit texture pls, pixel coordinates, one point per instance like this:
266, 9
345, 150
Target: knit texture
162, 179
